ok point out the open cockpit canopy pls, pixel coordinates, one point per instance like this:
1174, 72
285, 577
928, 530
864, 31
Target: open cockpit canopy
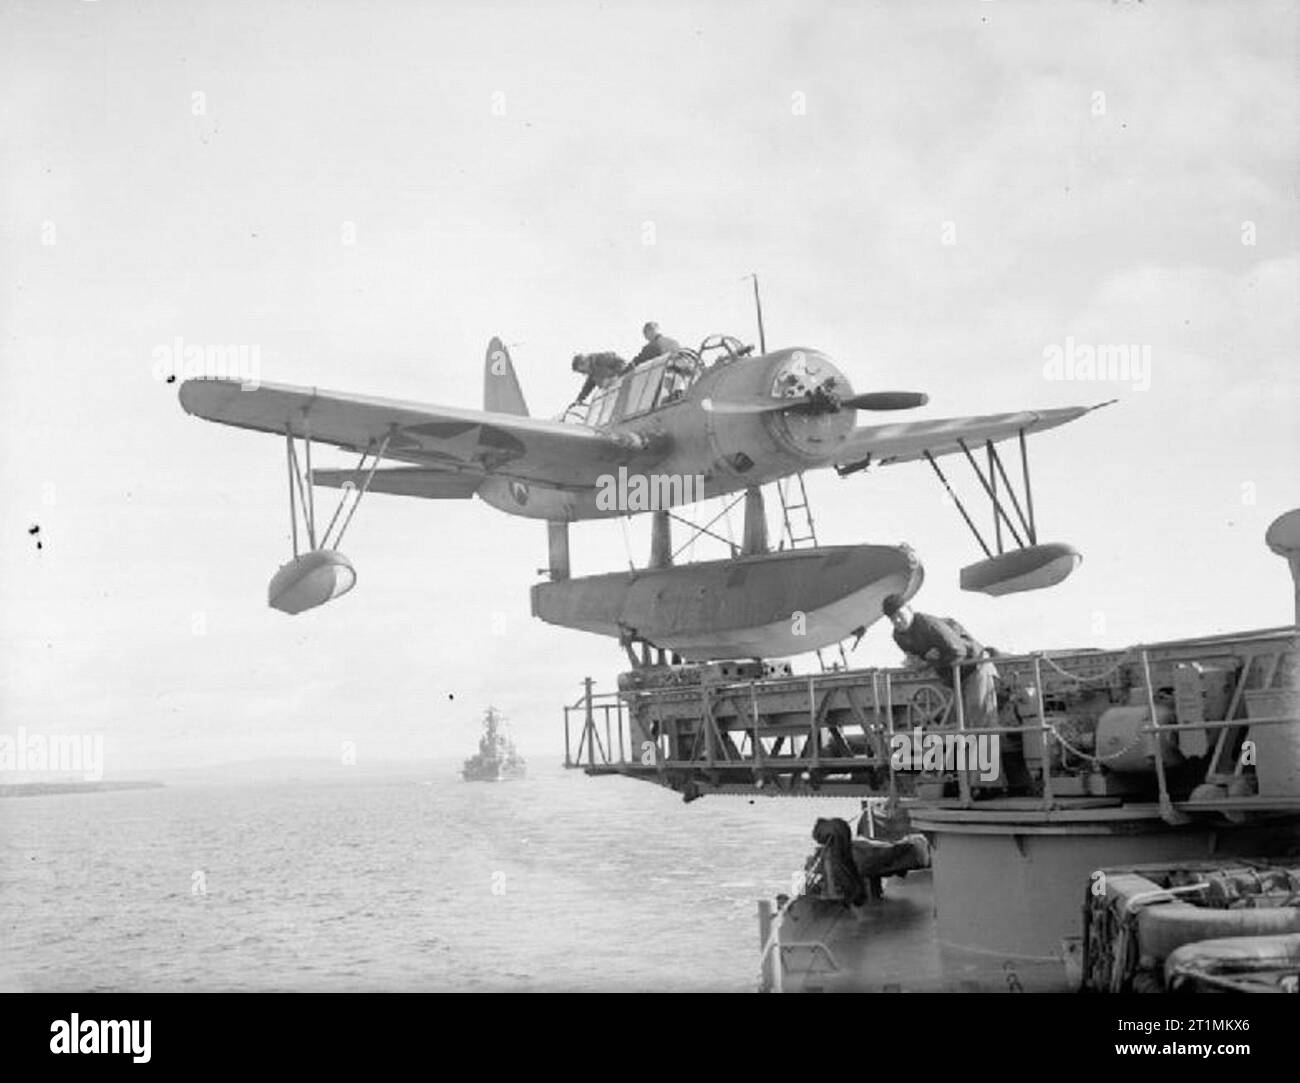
657, 383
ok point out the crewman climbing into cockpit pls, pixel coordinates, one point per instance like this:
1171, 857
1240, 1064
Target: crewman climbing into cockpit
656, 344
601, 370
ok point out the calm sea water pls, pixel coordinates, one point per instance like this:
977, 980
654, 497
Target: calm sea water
412, 881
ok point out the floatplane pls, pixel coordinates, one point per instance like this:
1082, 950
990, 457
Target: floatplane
690, 425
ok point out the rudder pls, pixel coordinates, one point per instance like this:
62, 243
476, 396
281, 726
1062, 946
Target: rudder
501, 392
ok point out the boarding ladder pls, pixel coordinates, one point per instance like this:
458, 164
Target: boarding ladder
799, 532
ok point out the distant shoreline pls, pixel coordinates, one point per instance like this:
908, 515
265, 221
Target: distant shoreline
42, 789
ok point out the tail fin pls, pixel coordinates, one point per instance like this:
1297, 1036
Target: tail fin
501, 394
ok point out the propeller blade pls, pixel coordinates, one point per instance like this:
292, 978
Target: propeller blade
870, 400
886, 400
754, 406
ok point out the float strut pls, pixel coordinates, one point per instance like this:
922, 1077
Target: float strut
557, 543
661, 540
755, 523
293, 509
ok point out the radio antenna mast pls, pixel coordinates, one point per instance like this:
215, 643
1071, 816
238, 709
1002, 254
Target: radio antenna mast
758, 308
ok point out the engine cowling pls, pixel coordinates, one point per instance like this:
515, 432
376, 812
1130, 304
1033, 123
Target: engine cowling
761, 447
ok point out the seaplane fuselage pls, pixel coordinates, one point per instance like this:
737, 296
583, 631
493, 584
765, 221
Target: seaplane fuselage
691, 450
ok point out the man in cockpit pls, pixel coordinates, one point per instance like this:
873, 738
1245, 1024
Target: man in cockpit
656, 344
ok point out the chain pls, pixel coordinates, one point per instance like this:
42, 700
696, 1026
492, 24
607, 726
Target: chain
1096, 759
1124, 659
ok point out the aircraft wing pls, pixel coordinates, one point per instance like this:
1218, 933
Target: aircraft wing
445, 439
908, 440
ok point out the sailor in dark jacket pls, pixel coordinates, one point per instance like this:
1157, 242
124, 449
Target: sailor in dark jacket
943, 644
843, 876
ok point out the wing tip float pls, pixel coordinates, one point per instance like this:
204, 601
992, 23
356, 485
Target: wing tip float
310, 580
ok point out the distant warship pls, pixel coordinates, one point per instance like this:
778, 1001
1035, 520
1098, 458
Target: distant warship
497, 760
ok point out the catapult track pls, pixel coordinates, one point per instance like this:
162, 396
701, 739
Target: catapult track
828, 734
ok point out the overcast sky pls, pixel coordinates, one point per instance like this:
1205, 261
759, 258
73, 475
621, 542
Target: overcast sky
1114, 173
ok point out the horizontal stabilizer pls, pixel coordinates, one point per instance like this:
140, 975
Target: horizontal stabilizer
404, 481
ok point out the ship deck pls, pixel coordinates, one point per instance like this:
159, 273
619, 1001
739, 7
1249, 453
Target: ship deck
893, 945
999, 908
887, 946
